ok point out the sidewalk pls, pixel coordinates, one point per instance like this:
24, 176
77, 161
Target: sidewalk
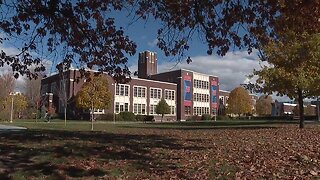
11, 128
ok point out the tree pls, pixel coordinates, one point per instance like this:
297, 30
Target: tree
94, 95
62, 91
264, 106
7, 86
20, 103
85, 32
32, 93
239, 102
295, 68
162, 108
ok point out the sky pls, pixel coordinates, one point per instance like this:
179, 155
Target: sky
232, 69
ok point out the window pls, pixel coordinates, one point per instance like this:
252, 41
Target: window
122, 90
169, 94
172, 110
187, 110
152, 109
201, 84
155, 93
221, 100
139, 108
201, 97
117, 107
226, 100
121, 107
126, 107
139, 91
200, 110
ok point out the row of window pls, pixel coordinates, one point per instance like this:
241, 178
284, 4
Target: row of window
196, 110
155, 93
122, 90
223, 100
201, 84
169, 94
201, 97
201, 110
141, 109
139, 91
121, 107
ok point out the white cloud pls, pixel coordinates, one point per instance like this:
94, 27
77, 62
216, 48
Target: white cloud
7, 69
232, 69
153, 43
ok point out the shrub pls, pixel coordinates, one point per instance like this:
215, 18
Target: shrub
222, 118
206, 117
105, 117
193, 118
189, 118
144, 118
140, 117
119, 117
148, 118
127, 116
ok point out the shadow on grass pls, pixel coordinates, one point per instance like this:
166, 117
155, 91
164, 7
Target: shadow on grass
207, 125
62, 154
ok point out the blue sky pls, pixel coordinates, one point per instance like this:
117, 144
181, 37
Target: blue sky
232, 69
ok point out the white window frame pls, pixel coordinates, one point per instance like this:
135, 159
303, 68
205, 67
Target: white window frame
142, 88
169, 94
124, 87
138, 108
156, 90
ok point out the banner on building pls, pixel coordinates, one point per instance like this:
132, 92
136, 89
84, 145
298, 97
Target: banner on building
214, 94
187, 91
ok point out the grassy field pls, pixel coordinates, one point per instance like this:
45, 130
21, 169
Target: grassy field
189, 150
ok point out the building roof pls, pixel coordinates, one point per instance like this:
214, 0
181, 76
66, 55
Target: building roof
106, 73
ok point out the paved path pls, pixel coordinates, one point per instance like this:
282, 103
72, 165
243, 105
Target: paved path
11, 128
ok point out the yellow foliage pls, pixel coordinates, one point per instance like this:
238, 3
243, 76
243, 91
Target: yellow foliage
94, 93
239, 101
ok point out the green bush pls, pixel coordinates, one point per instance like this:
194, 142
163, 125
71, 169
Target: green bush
194, 118
139, 117
144, 118
127, 116
222, 118
189, 118
119, 117
105, 117
206, 117
149, 118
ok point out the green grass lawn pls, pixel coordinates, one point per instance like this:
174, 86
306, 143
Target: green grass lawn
181, 150
110, 126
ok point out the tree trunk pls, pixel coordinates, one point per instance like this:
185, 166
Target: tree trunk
301, 109
92, 116
162, 117
65, 116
